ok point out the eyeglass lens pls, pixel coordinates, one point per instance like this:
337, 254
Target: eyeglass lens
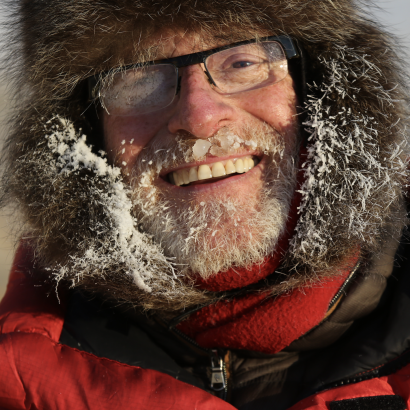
141, 90
247, 67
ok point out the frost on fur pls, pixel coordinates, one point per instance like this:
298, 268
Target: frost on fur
135, 251
350, 184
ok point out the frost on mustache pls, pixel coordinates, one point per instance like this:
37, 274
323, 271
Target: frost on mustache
350, 184
225, 142
141, 258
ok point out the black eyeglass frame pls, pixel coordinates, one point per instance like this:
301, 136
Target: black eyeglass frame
289, 46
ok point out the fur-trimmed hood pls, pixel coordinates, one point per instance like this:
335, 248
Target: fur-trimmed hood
356, 116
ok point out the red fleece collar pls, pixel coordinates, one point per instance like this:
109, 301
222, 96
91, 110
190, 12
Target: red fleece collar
259, 323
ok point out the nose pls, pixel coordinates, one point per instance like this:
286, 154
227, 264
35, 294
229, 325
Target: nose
200, 110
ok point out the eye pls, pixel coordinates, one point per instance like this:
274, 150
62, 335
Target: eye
242, 64
240, 61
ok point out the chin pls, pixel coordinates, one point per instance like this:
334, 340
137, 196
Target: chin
226, 230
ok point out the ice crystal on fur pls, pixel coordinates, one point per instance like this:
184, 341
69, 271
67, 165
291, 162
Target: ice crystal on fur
141, 258
350, 184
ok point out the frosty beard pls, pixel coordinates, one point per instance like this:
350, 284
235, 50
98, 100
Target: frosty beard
206, 238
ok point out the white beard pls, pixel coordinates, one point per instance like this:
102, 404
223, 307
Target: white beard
210, 237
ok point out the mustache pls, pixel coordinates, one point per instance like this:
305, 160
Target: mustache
182, 149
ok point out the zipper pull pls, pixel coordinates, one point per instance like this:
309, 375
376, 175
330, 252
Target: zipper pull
218, 382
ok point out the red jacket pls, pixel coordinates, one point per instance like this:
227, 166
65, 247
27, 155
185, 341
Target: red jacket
37, 372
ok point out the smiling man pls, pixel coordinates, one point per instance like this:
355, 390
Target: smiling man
212, 197
208, 143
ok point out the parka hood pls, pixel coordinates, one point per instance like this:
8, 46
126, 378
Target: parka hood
76, 207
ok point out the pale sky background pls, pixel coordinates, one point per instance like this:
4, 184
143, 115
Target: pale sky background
394, 14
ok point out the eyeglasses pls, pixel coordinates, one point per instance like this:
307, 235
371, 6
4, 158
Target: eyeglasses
143, 88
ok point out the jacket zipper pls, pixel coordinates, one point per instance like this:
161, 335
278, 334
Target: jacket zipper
218, 373
345, 285
218, 379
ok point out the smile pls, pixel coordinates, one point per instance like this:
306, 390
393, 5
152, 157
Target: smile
214, 171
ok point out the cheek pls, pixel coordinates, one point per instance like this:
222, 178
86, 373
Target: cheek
275, 105
136, 132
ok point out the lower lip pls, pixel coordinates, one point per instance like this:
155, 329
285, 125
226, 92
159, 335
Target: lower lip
212, 185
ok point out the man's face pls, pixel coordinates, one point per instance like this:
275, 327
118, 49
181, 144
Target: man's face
214, 223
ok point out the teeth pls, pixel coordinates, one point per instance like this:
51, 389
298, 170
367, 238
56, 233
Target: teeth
204, 172
193, 175
248, 164
218, 170
177, 178
230, 167
239, 166
185, 176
